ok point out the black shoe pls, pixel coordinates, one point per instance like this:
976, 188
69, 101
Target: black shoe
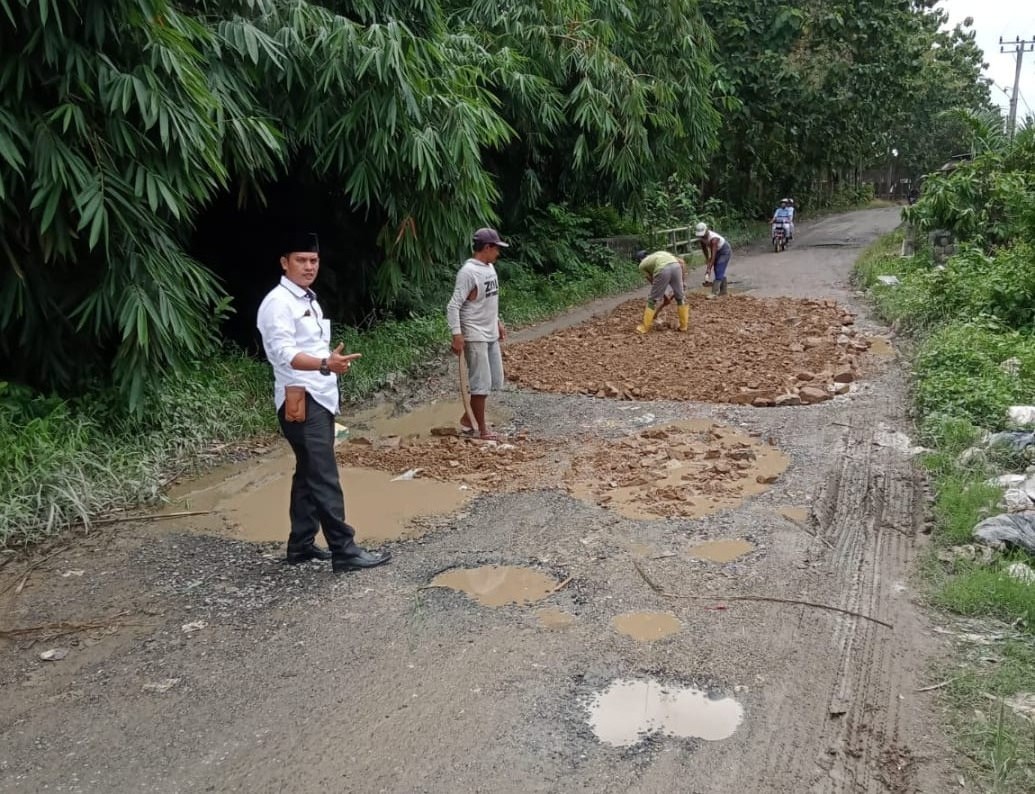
360, 558
306, 553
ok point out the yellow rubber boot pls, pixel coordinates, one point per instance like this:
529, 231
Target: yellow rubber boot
648, 321
684, 317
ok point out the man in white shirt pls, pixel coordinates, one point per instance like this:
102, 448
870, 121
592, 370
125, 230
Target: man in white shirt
296, 338
474, 321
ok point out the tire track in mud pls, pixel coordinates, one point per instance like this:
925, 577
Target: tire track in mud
867, 514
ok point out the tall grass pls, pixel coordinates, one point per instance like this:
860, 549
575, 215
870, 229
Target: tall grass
63, 463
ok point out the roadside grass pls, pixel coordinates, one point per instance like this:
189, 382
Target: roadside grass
961, 389
998, 743
65, 463
974, 589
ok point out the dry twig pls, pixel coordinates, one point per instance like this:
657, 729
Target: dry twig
933, 687
563, 584
24, 576
772, 599
63, 627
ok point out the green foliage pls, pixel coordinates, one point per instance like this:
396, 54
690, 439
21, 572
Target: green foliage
960, 373
979, 202
880, 258
977, 590
818, 90
608, 96
996, 741
63, 463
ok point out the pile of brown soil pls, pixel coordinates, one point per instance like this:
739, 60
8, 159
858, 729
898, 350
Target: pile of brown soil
739, 349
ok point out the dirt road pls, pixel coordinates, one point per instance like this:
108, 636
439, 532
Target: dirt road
198, 662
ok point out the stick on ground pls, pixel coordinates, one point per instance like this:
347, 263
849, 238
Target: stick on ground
772, 599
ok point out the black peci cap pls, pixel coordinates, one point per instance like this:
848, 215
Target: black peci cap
300, 242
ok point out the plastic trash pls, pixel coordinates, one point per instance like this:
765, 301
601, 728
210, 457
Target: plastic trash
409, 474
1013, 440
1007, 481
341, 434
1015, 499
1008, 529
1020, 415
889, 281
1020, 571
896, 440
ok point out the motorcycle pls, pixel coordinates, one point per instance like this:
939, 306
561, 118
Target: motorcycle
780, 232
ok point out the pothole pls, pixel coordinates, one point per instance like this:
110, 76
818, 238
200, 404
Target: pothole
498, 585
630, 710
880, 346
687, 469
250, 501
721, 551
383, 422
646, 626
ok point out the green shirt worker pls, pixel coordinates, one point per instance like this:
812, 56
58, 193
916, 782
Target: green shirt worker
663, 270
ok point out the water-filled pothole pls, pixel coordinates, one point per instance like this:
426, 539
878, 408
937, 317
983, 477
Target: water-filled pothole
382, 420
880, 346
251, 499
629, 710
498, 585
646, 626
721, 551
689, 469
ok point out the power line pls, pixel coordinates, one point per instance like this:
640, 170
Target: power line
1019, 47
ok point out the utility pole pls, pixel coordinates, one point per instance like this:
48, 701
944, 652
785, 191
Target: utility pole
1019, 47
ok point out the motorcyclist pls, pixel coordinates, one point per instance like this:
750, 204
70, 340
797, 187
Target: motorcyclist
784, 216
791, 207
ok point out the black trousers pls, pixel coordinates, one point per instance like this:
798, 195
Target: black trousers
316, 497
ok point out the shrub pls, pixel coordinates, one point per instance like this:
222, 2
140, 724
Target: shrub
960, 372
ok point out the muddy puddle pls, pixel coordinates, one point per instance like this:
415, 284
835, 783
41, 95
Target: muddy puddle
498, 585
629, 710
721, 551
688, 469
555, 619
646, 626
880, 346
383, 421
250, 501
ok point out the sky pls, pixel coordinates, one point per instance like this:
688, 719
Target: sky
1009, 19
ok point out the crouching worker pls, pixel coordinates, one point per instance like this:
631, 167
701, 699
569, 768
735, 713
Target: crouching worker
717, 253
664, 271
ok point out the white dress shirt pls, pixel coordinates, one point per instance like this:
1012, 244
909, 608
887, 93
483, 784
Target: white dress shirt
291, 322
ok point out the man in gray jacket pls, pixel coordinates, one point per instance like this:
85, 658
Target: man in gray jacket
473, 317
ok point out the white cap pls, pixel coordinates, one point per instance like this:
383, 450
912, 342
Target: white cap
701, 230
